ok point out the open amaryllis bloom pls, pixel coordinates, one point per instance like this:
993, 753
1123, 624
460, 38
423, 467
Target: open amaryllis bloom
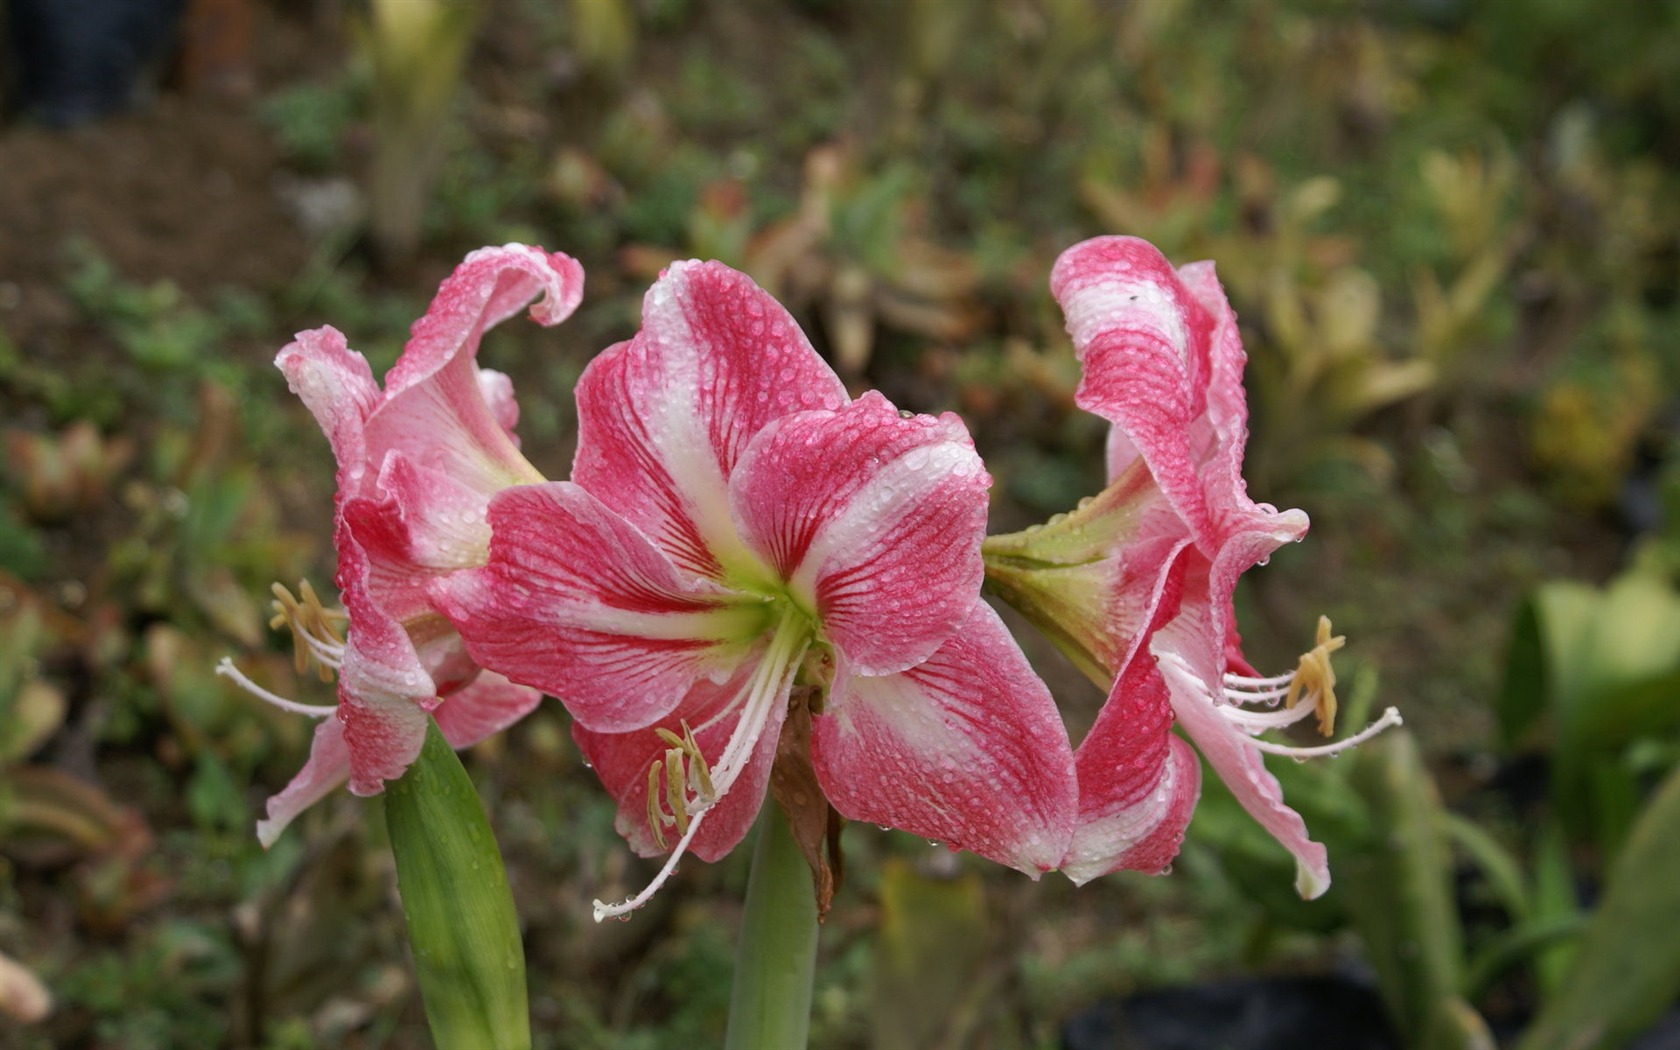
418, 463
738, 536
1137, 584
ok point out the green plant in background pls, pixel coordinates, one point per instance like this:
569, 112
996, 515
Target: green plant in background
418, 50
1595, 673
854, 250
1600, 980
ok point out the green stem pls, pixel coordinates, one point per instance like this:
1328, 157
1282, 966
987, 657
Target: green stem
460, 912
776, 959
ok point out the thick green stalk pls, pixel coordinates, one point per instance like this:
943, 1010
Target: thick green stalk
455, 896
776, 959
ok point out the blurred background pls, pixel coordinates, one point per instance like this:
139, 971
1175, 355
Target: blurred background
1448, 227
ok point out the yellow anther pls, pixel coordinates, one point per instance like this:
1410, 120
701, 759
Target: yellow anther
676, 788
656, 816
309, 621
1315, 678
688, 783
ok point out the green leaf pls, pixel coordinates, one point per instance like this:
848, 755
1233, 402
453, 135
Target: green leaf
1627, 971
1501, 869
455, 895
1604, 666
1401, 902
1554, 900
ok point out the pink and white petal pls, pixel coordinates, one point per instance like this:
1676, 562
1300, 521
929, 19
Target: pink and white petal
484, 708
443, 518
966, 748
328, 767
1228, 751
1143, 339
445, 426
874, 520
663, 419
578, 603
497, 389
489, 286
337, 386
383, 705
1138, 783
712, 710
384, 690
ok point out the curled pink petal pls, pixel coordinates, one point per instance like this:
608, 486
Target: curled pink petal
490, 285
1145, 342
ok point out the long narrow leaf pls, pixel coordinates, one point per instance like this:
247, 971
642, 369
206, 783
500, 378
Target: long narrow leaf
1627, 971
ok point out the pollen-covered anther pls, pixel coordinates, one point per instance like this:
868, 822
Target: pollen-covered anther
317, 632
1314, 682
1315, 678
316, 635
686, 774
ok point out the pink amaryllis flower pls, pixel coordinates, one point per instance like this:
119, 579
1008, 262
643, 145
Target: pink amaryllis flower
739, 535
417, 465
1137, 584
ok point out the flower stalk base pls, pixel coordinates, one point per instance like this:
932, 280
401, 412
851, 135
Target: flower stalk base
776, 959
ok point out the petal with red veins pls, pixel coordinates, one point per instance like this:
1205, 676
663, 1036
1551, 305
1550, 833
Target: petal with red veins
875, 522
966, 748
1143, 340
578, 603
1138, 783
383, 688
327, 768
663, 419
484, 708
712, 710
335, 383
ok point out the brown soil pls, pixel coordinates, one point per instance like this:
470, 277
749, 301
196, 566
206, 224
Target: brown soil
182, 188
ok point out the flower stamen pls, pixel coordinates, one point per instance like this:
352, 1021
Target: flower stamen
316, 633
227, 670
316, 636
1308, 690
685, 767
686, 772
